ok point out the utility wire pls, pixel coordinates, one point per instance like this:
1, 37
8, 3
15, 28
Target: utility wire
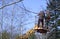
27, 10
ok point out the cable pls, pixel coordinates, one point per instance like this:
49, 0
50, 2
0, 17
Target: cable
27, 10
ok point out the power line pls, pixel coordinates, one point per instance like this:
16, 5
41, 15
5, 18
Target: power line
26, 9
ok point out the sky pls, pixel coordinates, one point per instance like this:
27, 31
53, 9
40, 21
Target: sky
32, 5
35, 5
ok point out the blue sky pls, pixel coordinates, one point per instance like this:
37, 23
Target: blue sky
32, 5
35, 5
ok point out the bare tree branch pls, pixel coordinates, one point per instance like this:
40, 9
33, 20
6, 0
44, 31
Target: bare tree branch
28, 23
10, 4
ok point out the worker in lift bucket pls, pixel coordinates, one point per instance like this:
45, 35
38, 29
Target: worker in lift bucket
41, 18
47, 17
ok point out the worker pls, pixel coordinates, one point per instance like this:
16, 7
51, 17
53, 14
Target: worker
41, 18
47, 17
